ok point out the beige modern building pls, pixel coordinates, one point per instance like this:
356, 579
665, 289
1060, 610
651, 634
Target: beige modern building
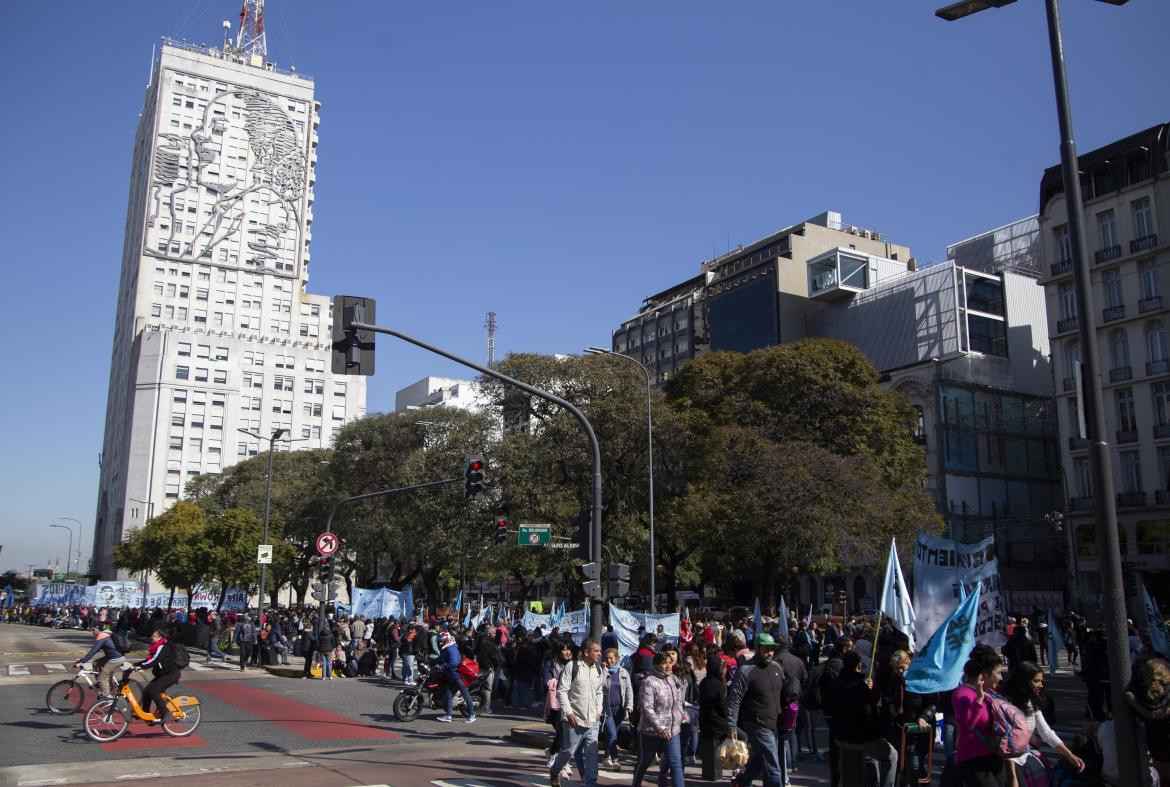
1126, 188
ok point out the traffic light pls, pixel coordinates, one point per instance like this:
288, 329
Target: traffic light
353, 350
501, 530
591, 572
474, 477
581, 524
619, 580
325, 571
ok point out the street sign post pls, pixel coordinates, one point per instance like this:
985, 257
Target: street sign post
264, 553
533, 535
327, 543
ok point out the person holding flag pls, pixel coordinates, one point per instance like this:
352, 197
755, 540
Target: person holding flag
895, 601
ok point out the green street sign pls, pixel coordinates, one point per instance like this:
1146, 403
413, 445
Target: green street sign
533, 535
41, 572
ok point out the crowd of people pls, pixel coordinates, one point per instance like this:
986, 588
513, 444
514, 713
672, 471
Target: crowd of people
681, 700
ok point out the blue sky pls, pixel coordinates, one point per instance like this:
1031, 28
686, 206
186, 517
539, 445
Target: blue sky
554, 161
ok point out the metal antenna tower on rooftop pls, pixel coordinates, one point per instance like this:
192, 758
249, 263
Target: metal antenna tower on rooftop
250, 36
491, 342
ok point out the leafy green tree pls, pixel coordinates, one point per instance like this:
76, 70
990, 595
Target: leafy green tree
232, 538
173, 545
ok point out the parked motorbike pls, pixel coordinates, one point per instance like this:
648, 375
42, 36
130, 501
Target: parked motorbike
411, 701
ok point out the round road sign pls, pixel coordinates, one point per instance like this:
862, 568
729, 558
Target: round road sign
327, 543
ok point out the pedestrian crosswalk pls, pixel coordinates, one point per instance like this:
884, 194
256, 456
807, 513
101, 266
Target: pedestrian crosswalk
66, 669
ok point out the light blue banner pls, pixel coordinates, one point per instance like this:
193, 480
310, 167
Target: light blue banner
940, 667
376, 603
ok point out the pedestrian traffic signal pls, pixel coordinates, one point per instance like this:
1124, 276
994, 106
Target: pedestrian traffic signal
619, 580
592, 576
501, 530
474, 477
325, 572
353, 349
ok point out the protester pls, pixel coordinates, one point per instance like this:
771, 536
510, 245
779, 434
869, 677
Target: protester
580, 690
977, 764
660, 702
619, 704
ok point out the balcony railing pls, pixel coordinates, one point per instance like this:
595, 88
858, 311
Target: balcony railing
1131, 499
1060, 268
1113, 313
1078, 443
1080, 503
1161, 431
1120, 374
1143, 243
1151, 304
1162, 497
1107, 253
1068, 383
1157, 367
1127, 436
1067, 324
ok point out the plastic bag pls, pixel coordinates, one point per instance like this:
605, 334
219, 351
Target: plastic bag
732, 754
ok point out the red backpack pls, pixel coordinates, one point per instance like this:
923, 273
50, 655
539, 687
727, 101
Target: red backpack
468, 669
1009, 736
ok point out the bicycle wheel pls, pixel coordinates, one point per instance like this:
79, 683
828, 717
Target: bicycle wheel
189, 705
105, 722
65, 696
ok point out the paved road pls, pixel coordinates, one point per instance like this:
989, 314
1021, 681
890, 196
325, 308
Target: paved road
261, 727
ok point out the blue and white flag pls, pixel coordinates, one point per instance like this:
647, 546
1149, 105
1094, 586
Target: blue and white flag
757, 620
895, 603
8, 595
458, 607
940, 667
1055, 643
558, 614
467, 617
1156, 624
784, 620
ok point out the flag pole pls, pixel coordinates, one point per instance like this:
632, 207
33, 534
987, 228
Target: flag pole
873, 651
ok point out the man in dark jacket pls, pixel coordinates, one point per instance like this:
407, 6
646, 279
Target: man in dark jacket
825, 680
857, 722
755, 703
488, 656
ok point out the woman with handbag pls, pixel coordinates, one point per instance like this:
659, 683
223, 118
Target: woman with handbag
1025, 690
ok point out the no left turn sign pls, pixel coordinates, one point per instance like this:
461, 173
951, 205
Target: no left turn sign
327, 543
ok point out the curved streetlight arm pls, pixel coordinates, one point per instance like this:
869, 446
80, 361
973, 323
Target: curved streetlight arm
596, 604
650, 457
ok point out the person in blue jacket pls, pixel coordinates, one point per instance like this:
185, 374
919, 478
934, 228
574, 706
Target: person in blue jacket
449, 659
108, 664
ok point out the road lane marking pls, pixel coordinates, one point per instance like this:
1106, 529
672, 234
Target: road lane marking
54, 667
17, 669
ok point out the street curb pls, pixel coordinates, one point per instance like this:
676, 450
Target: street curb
537, 735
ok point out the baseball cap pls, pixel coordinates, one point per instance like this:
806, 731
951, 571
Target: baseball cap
764, 639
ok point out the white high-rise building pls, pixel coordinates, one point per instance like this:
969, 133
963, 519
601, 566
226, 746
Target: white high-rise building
214, 329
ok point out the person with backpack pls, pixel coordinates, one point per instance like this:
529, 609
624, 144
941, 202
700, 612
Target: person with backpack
900, 708
108, 663
166, 661
1025, 690
819, 696
857, 724
977, 764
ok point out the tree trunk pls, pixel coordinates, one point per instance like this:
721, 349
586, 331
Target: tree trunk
222, 595
171, 599
430, 578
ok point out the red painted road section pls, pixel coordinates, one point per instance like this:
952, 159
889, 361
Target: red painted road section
308, 721
140, 736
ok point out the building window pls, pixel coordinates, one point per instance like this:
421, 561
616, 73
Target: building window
1161, 392
1063, 245
1143, 218
1084, 478
339, 390
1111, 280
1068, 302
1164, 467
220, 377
282, 383
1072, 357
1126, 414
1131, 472
176, 443
1156, 341
312, 409
200, 374
182, 372
1148, 273
1107, 229
339, 413
184, 350
1119, 342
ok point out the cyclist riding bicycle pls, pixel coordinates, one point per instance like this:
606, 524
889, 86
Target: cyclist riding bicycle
161, 659
107, 664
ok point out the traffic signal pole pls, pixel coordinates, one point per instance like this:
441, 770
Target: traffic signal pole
368, 495
596, 604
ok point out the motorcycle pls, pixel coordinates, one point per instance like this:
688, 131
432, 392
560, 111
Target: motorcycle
411, 701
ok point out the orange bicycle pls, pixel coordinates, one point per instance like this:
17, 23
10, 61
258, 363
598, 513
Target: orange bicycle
108, 720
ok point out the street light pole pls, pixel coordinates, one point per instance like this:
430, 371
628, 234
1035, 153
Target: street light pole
69, 554
1109, 550
80, 536
650, 454
267, 507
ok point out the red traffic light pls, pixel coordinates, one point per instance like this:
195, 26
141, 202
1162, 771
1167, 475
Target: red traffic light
475, 465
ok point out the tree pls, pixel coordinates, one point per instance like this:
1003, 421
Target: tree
173, 545
232, 538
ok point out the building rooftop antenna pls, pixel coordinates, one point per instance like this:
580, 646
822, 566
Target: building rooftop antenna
250, 40
491, 337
